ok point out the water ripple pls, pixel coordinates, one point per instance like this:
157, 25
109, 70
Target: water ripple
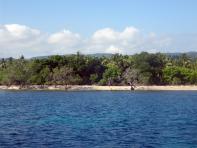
98, 119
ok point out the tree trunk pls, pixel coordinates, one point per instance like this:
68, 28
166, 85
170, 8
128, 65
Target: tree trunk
132, 86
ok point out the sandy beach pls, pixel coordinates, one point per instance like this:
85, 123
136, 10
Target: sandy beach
98, 88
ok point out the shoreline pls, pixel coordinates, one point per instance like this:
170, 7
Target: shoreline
99, 88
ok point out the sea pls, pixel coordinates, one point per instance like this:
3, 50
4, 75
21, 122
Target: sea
98, 119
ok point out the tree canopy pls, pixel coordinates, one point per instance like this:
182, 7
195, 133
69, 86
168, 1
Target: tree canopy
139, 69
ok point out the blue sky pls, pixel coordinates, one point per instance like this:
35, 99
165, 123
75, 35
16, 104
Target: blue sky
86, 16
165, 18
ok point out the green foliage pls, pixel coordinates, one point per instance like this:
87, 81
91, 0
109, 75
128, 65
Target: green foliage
94, 78
193, 77
143, 68
65, 76
17, 73
150, 67
177, 75
111, 74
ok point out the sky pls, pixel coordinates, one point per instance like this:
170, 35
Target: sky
45, 27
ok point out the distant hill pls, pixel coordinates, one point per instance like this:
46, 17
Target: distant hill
100, 55
92, 55
192, 54
41, 57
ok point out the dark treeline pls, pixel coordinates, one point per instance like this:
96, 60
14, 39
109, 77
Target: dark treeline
143, 68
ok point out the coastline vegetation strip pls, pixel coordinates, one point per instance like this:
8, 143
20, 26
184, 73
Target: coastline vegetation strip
144, 69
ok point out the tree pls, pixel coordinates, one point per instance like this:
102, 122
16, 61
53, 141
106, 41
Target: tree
17, 73
150, 67
111, 75
65, 76
94, 78
22, 57
131, 77
193, 77
39, 72
176, 75
117, 69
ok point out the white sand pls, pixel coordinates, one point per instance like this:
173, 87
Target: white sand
94, 87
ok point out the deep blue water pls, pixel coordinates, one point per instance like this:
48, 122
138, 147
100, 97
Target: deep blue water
98, 119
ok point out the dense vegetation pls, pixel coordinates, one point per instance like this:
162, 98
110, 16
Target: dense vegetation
143, 68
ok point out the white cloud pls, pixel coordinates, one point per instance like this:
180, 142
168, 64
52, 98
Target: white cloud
15, 33
113, 49
64, 42
130, 40
64, 37
16, 40
129, 33
105, 35
21, 31
109, 40
111, 36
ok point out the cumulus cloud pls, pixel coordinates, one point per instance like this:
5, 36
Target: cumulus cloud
64, 37
128, 41
113, 49
16, 40
111, 36
65, 42
14, 33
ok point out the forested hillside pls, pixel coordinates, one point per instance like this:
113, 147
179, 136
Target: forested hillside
143, 68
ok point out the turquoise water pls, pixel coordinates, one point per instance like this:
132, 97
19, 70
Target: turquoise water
98, 119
